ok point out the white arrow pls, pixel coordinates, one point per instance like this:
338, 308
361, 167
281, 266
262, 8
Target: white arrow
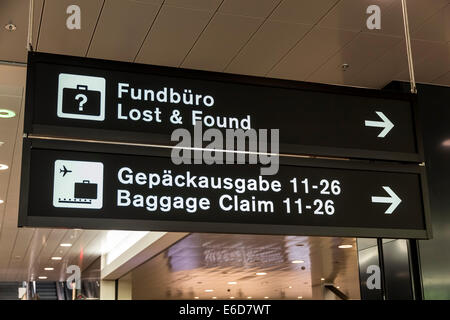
386, 124
394, 200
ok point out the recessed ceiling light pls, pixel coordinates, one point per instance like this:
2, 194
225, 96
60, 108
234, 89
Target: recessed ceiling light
42, 277
209, 290
65, 244
231, 297
338, 287
345, 246
261, 273
1, 143
297, 261
266, 297
10, 27
1, 201
5, 113
3, 167
300, 297
249, 297
345, 66
322, 279
49, 269
195, 297
232, 282
214, 297
290, 287
56, 258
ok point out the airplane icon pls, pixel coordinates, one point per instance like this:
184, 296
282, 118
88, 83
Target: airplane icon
64, 171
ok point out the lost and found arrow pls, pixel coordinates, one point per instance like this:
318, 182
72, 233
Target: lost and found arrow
385, 123
393, 199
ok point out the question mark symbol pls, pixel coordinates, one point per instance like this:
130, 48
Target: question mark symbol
83, 98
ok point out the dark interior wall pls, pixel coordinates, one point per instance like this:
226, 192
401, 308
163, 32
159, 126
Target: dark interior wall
434, 106
434, 116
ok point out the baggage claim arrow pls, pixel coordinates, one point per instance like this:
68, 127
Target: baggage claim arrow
394, 200
386, 124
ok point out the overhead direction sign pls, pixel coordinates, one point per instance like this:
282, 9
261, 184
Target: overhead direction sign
111, 187
117, 101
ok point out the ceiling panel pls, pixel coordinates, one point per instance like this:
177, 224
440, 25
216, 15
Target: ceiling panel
121, 29
10, 98
209, 5
23, 239
394, 63
269, 44
14, 146
419, 11
425, 68
307, 12
28, 267
51, 244
54, 35
167, 42
311, 52
13, 75
251, 8
443, 80
7, 241
157, 2
358, 54
221, 41
436, 28
13, 44
17, 265
380, 72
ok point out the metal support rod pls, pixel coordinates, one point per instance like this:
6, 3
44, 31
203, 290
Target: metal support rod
30, 26
412, 79
382, 271
415, 270
12, 63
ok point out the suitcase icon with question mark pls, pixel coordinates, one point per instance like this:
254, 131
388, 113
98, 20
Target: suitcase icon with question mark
81, 97
81, 101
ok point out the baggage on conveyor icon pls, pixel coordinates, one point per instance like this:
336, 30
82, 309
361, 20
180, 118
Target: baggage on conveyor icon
78, 184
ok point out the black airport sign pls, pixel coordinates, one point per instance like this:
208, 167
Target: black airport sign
125, 102
87, 185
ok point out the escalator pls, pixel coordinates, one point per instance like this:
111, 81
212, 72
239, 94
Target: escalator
46, 291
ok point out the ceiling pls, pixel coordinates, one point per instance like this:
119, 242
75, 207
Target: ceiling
202, 262
289, 39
